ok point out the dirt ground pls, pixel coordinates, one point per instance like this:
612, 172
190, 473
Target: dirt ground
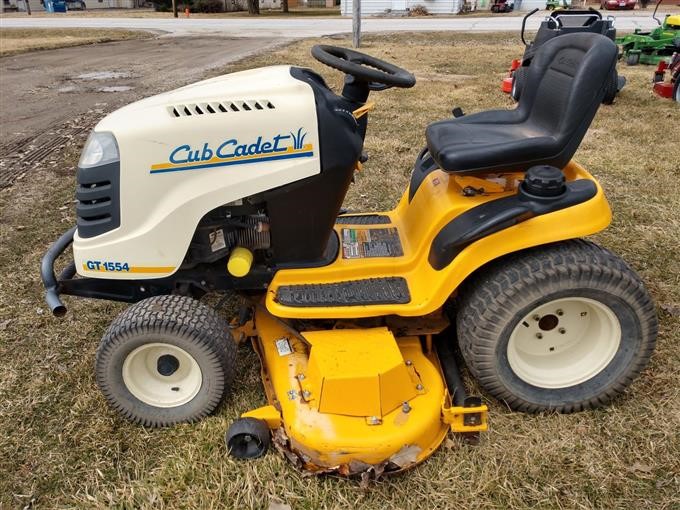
21, 40
50, 97
61, 446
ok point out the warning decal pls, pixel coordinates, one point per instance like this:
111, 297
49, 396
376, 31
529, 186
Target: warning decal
359, 243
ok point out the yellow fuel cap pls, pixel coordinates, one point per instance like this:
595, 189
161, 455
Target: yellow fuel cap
240, 261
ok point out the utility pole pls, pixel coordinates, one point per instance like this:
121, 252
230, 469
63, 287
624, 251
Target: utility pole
174, 8
356, 23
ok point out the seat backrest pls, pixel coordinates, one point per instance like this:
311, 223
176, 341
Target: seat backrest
565, 85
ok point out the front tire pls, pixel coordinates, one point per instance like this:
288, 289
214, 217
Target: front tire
562, 327
633, 59
166, 360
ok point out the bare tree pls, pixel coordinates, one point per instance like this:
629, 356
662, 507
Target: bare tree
253, 6
284, 5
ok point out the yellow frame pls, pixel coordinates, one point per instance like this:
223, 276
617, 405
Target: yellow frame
439, 200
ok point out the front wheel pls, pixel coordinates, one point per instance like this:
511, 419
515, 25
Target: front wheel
166, 360
633, 59
562, 327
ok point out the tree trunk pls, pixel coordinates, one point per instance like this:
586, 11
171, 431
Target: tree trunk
284, 5
253, 6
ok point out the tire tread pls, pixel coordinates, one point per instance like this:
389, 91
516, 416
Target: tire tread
486, 298
176, 315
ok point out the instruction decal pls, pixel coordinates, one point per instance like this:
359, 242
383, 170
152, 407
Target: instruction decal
359, 243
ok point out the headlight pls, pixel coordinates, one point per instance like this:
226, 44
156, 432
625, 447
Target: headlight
100, 149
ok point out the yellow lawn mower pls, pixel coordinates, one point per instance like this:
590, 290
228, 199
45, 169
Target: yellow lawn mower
235, 185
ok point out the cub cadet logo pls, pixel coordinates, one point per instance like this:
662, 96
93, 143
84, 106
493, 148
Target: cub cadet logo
233, 152
569, 62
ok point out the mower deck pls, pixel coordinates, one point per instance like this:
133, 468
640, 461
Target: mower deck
354, 400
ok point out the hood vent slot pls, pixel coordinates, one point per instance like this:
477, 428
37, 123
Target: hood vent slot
189, 110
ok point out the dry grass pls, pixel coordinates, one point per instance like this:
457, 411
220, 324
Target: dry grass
62, 447
21, 40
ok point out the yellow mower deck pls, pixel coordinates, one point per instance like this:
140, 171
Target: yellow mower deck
439, 199
351, 400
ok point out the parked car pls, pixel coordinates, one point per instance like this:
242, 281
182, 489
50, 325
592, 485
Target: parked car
618, 4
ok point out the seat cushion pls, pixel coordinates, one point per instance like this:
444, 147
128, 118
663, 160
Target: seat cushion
470, 147
565, 84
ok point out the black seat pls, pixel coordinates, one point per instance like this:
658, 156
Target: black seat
565, 86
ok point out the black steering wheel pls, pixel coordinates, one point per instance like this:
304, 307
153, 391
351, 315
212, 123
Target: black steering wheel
378, 74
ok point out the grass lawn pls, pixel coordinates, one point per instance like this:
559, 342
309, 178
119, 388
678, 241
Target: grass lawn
21, 40
61, 446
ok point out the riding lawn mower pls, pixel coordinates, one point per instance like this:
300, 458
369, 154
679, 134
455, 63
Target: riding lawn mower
655, 46
559, 23
235, 185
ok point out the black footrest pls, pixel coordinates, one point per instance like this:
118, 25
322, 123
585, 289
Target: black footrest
364, 219
371, 291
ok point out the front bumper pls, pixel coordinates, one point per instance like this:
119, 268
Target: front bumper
49, 279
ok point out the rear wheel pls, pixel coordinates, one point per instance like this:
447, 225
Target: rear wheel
676, 93
166, 360
565, 327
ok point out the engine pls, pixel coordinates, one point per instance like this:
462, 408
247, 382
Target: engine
225, 228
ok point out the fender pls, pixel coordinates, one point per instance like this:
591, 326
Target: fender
422, 224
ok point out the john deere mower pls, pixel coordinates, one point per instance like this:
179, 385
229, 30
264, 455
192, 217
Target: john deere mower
235, 185
561, 22
652, 47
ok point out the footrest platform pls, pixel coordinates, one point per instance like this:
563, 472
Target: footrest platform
370, 291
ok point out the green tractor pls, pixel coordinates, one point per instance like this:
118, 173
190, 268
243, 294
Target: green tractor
652, 47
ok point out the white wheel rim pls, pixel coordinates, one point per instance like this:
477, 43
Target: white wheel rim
162, 375
564, 342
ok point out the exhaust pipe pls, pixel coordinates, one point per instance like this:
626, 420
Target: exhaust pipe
47, 272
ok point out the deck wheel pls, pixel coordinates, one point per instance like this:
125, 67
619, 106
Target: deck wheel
248, 438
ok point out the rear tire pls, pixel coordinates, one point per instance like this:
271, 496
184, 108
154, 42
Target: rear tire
676, 90
561, 327
166, 360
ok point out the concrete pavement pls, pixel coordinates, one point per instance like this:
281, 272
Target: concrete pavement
295, 28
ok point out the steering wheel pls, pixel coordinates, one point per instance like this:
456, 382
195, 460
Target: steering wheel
378, 74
